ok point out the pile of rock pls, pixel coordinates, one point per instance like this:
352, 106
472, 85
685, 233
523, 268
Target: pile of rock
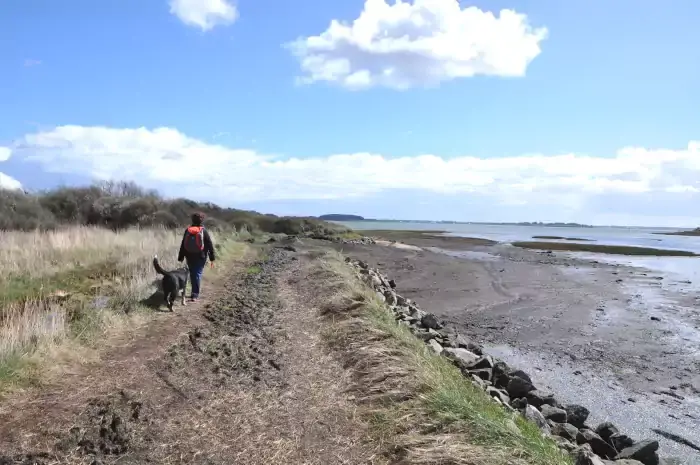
514, 389
362, 240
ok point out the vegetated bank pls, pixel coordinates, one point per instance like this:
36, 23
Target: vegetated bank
76, 266
562, 238
692, 232
605, 249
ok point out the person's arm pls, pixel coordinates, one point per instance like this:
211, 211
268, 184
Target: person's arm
209, 246
181, 254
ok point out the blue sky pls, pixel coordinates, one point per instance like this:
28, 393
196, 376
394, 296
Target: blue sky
584, 110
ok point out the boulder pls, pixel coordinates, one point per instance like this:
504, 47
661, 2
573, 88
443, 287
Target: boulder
478, 382
435, 345
643, 451
557, 415
519, 404
485, 361
534, 415
605, 430
520, 374
390, 297
577, 415
430, 321
497, 393
599, 446
585, 456
392, 284
622, 462
465, 343
565, 430
484, 373
620, 441
519, 387
462, 358
565, 444
539, 398
500, 373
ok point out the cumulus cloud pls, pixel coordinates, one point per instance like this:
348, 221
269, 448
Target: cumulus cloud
418, 42
204, 14
5, 153
167, 159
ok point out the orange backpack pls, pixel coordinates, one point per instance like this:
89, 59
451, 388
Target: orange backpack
194, 239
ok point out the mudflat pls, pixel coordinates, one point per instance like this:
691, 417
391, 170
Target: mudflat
615, 339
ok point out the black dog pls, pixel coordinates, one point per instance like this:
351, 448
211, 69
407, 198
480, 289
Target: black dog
173, 282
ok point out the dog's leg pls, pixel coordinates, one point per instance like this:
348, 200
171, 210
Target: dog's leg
183, 297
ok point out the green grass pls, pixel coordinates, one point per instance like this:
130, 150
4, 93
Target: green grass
605, 249
561, 238
255, 269
419, 403
410, 236
457, 403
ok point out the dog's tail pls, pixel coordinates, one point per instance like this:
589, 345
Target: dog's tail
156, 265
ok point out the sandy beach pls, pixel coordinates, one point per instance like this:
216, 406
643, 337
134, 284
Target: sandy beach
623, 341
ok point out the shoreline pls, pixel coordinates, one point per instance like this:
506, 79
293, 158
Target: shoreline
579, 322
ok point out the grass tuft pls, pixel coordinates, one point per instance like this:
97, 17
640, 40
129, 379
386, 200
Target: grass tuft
421, 408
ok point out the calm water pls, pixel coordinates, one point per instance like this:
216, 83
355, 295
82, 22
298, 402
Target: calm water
677, 267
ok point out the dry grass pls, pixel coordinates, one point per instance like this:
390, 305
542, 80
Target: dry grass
422, 409
72, 288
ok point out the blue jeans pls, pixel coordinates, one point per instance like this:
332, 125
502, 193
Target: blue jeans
196, 266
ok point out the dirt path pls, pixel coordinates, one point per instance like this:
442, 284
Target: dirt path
243, 378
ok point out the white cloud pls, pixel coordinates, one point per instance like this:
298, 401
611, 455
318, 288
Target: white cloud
418, 42
165, 158
28, 63
204, 14
5, 153
8, 182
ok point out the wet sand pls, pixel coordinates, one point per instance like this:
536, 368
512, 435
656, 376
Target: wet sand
582, 328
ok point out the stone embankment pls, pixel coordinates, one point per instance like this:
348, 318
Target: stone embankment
513, 388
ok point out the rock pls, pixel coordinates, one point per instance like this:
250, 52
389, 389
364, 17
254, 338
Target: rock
565, 430
520, 374
390, 297
643, 451
484, 373
392, 284
478, 382
585, 456
599, 446
577, 415
430, 321
462, 358
425, 336
519, 404
605, 430
435, 345
534, 415
519, 387
555, 414
620, 441
655, 318
539, 398
362, 264
497, 393
500, 374
622, 462
485, 361
465, 343
565, 444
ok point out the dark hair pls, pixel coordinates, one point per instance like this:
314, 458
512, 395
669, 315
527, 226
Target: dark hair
197, 219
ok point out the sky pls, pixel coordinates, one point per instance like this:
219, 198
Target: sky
492, 110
